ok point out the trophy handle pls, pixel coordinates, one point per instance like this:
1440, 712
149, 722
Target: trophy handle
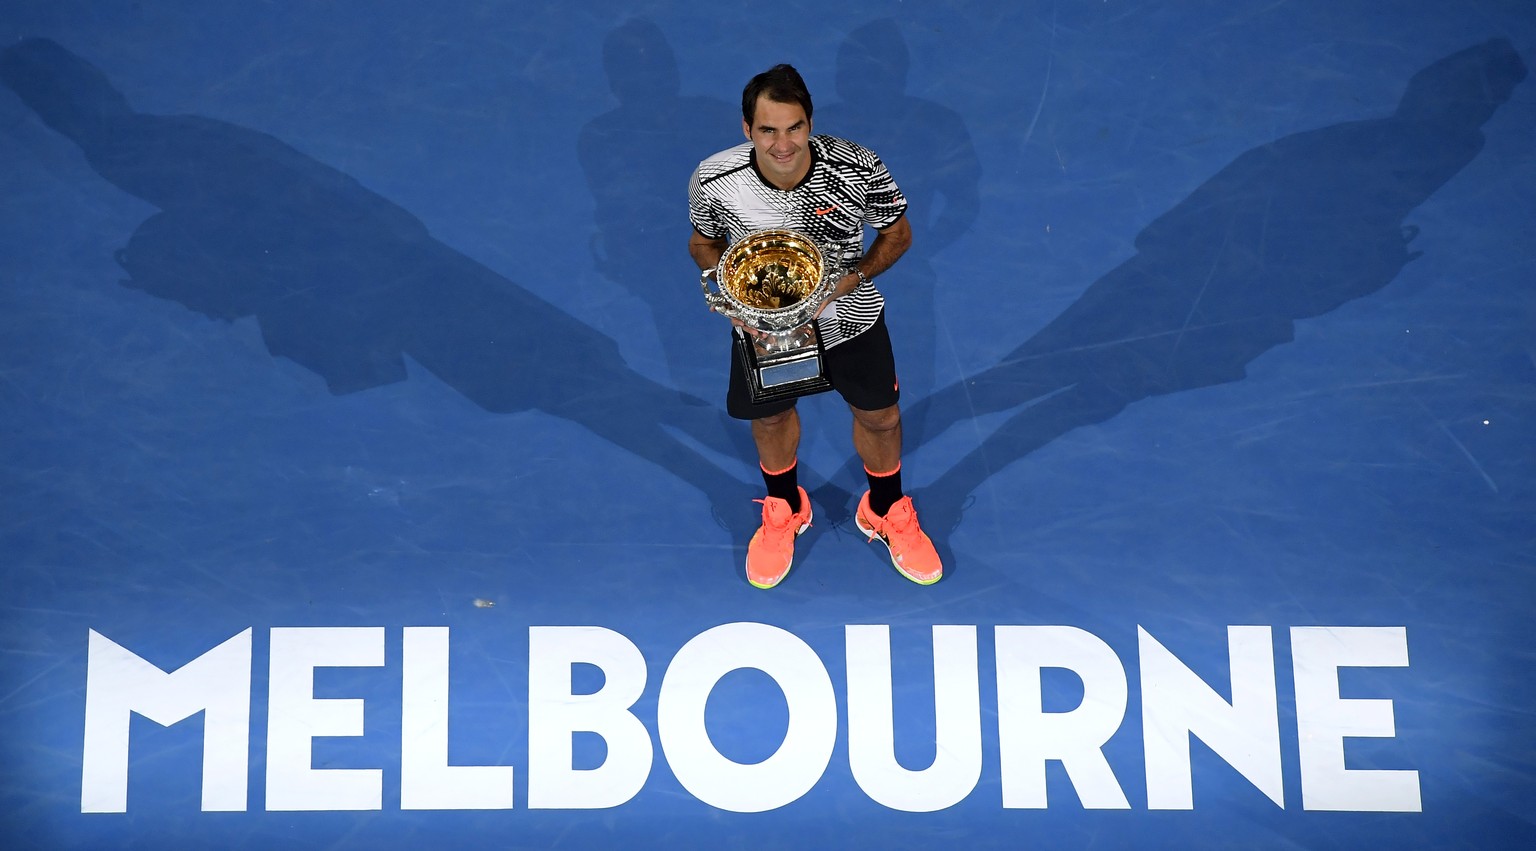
716, 301
835, 274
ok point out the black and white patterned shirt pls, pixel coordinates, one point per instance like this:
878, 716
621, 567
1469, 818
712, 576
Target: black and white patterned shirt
846, 188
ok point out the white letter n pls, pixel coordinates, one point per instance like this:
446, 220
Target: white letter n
1176, 703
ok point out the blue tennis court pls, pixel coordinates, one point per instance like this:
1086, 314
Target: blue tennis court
365, 479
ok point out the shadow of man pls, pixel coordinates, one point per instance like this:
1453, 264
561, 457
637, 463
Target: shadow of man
345, 283
928, 149
637, 158
1289, 230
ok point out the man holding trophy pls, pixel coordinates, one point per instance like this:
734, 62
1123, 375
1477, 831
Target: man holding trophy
779, 230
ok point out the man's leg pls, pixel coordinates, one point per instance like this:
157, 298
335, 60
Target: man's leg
787, 508
877, 438
885, 513
778, 439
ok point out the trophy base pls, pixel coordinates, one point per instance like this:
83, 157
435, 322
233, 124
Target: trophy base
782, 375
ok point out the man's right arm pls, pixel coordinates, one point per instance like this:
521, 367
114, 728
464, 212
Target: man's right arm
705, 251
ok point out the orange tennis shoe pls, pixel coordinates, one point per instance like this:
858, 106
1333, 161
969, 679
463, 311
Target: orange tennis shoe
772, 550
912, 553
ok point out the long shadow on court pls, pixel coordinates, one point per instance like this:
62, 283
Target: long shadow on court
1290, 230
346, 283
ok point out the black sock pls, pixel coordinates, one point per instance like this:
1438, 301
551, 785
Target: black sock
784, 484
884, 490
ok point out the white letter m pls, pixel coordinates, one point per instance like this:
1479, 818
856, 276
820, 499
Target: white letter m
119, 683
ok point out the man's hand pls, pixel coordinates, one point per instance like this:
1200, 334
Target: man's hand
845, 285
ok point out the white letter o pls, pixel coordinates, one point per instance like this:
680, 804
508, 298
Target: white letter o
800, 760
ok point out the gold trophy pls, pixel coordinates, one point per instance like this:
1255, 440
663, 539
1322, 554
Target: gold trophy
774, 281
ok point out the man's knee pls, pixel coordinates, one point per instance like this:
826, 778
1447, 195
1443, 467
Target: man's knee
775, 421
885, 419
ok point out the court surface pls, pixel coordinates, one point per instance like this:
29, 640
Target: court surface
352, 368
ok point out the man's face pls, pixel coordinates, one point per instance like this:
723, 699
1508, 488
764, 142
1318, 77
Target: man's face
780, 132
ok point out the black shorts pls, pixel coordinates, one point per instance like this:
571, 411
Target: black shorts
862, 370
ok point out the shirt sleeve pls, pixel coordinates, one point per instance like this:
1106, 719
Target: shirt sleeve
884, 205
701, 208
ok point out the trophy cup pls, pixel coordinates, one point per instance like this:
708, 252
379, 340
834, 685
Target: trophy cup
774, 281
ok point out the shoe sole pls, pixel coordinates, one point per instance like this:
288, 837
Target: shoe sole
876, 536
774, 583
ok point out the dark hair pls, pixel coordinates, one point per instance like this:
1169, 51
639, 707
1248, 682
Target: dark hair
781, 83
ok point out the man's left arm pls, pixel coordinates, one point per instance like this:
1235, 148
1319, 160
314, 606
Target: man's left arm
883, 253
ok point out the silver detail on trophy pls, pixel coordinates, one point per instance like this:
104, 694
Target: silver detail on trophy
774, 282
